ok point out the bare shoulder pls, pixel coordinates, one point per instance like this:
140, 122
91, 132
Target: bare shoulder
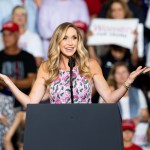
43, 70
94, 67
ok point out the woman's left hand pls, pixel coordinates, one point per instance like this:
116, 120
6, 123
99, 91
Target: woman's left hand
133, 75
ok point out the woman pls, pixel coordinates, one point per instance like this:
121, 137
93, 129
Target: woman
118, 10
27, 38
133, 104
53, 74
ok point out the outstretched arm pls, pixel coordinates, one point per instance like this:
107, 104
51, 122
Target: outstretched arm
36, 93
103, 88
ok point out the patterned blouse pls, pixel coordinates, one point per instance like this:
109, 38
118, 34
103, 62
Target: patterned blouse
60, 88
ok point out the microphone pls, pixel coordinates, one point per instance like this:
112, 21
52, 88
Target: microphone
71, 64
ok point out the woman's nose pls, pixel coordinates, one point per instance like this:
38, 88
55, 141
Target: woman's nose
70, 41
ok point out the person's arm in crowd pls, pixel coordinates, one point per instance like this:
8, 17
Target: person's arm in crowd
19, 118
104, 90
26, 82
134, 55
143, 117
37, 92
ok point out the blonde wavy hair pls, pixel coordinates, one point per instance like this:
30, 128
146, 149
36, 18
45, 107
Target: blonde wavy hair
111, 78
81, 55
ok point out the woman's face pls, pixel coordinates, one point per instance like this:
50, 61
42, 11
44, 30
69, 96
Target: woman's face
19, 17
121, 74
68, 45
117, 11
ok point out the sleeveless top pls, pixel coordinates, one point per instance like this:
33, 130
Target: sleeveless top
60, 92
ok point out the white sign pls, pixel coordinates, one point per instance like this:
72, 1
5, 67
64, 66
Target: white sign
147, 22
113, 31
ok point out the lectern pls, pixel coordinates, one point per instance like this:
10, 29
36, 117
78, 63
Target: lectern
73, 127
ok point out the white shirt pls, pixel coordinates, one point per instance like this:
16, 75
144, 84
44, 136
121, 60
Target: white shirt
147, 22
124, 102
148, 56
31, 42
53, 13
1, 42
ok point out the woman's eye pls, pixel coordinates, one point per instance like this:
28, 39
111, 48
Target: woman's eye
74, 37
64, 38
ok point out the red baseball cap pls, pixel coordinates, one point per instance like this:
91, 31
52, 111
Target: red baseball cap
81, 25
128, 124
11, 26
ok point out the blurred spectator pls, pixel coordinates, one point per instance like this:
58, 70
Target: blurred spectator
17, 126
135, 6
128, 128
28, 40
6, 7
123, 13
117, 54
50, 17
6, 116
32, 10
133, 104
14, 62
117, 10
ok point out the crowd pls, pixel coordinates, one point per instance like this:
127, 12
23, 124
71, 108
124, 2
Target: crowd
27, 27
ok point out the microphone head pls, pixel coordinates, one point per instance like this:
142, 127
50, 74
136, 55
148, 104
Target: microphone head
71, 62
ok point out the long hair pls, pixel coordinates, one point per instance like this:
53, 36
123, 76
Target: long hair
81, 55
127, 11
111, 78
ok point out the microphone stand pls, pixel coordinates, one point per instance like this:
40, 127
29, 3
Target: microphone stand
71, 64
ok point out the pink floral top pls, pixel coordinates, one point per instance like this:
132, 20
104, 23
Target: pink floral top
60, 88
